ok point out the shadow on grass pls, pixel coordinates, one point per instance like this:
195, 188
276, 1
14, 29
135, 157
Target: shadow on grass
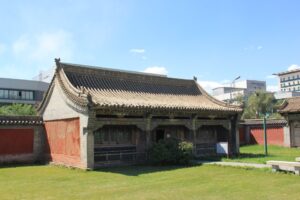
236, 157
16, 165
252, 155
136, 170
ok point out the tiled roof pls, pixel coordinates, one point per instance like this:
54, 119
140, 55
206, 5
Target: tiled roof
103, 87
21, 120
260, 122
291, 105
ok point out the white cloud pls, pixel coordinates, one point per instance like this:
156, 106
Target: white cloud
271, 76
156, 70
293, 67
272, 88
209, 85
44, 46
253, 48
21, 45
138, 51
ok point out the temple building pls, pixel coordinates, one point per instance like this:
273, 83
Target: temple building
290, 110
97, 116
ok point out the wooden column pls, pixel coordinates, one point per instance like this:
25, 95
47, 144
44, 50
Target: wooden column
194, 132
232, 143
148, 131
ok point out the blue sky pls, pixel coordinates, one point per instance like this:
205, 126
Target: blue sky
213, 40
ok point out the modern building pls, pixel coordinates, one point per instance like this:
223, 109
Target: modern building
286, 95
244, 87
21, 91
289, 84
289, 80
98, 116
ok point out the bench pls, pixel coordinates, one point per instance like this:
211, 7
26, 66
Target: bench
285, 166
298, 159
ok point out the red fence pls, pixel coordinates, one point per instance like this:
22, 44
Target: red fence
252, 132
274, 136
242, 135
16, 141
21, 139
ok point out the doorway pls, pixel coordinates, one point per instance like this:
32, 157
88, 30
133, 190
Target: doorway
160, 135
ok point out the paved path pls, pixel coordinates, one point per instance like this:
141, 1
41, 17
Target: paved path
234, 164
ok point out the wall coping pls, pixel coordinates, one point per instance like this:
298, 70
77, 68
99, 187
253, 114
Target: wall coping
21, 120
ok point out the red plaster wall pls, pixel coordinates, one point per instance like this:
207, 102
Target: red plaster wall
274, 135
63, 141
242, 135
16, 141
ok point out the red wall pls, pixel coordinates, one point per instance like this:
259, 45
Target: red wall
16, 141
274, 135
63, 141
242, 135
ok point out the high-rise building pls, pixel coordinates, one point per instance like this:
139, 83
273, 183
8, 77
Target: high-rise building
289, 84
289, 80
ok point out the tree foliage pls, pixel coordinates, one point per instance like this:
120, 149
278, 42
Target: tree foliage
171, 151
17, 109
260, 104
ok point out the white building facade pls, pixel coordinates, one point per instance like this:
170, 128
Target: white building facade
289, 84
239, 88
289, 80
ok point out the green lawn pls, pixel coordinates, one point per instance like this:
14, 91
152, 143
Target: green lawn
200, 182
255, 154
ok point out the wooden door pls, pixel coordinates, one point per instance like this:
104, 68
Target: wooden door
297, 137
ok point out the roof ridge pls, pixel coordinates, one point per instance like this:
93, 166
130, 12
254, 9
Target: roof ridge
112, 70
84, 91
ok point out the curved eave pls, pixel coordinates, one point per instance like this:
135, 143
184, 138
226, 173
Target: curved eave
74, 95
162, 108
218, 102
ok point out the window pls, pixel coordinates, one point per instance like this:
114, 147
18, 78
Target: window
23, 95
16, 94
28, 95
5, 94
13, 94
117, 135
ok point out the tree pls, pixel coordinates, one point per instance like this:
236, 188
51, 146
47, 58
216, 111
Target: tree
259, 104
17, 109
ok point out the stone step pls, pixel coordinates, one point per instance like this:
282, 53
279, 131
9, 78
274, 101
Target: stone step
284, 165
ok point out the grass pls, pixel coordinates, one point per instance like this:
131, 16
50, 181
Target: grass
141, 182
255, 154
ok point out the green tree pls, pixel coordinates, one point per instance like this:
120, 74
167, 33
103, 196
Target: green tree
259, 104
17, 109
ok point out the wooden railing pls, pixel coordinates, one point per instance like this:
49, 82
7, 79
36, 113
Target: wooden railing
120, 157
